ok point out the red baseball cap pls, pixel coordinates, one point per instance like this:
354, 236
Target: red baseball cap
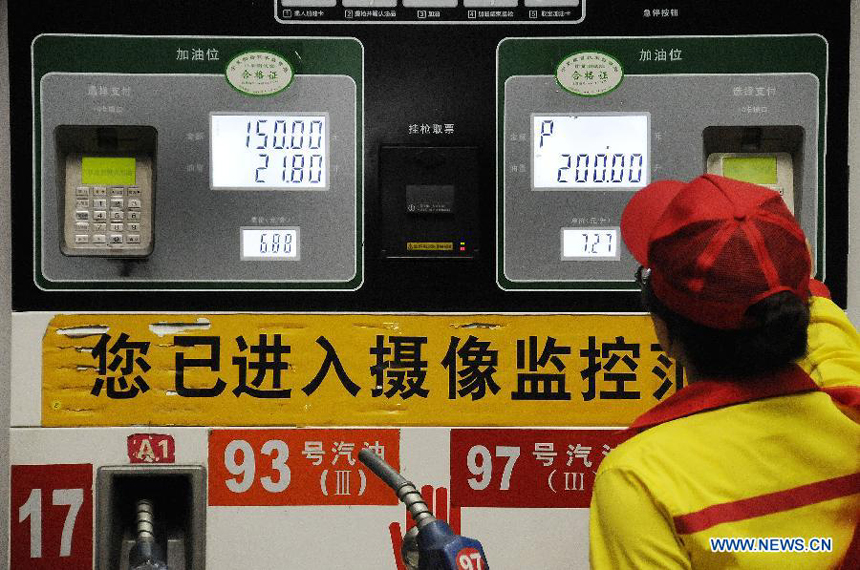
715, 246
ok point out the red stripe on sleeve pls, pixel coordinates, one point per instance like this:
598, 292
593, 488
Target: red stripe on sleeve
846, 395
768, 504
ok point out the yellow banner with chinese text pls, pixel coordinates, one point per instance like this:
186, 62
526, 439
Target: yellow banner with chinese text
352, 370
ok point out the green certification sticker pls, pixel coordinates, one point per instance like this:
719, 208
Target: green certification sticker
259, 73
589, 73
106, 171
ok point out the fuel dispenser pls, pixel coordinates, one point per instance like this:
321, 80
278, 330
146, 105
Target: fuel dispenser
578, 148
258, 245
254, 175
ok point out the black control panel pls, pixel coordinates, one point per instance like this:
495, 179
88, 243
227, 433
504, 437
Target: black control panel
429, 86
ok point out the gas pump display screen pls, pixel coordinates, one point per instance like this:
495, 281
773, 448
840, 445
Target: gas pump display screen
270, 243
590, 243
590, 152
269, 152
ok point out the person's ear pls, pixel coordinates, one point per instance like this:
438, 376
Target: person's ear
664, 337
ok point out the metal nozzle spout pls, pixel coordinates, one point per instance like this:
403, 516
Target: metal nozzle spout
404, 489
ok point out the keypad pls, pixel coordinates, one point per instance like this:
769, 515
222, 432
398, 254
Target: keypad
108, 216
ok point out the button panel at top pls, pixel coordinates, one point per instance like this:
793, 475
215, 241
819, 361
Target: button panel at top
430, 11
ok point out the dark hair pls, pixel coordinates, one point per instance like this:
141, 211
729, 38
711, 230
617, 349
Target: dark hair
778, 338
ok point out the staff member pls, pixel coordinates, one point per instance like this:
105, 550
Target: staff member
764, 442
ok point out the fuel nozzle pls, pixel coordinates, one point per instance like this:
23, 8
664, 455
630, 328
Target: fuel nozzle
438, 548
405, 490
146, 554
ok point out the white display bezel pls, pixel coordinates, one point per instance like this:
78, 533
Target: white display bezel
245, 230
646, 174
271, 188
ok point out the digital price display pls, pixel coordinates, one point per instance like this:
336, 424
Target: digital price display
269, 152
264, 244
590, 243
587, 152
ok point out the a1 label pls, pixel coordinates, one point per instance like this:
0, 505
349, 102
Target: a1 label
52, 517
151, 448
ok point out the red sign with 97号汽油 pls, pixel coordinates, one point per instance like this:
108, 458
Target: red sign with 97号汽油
526, 467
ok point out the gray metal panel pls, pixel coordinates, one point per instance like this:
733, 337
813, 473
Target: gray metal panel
5, 283
854, 181
196, 237
681, 107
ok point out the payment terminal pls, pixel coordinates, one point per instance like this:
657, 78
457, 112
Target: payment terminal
108, 206
772, 170
108, 190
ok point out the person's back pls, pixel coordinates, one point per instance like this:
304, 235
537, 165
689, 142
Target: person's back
752, 471
736, 472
